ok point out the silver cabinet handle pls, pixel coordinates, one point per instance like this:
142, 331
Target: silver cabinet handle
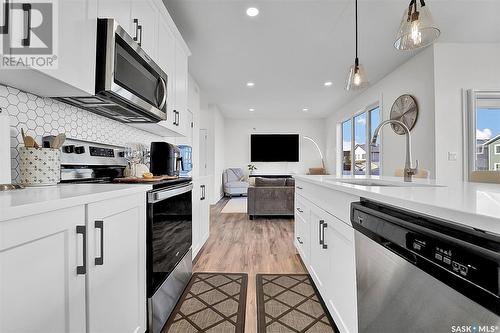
100, 260
139, 29
81, 270
298, 240
319, 232
136, 23
27, 40
325, 225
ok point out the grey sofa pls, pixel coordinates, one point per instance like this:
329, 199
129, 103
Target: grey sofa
271, 197
234, 182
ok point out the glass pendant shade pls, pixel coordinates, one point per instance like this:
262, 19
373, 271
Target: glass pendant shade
357, 78
417, 28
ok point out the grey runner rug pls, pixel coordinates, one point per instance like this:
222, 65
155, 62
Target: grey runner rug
289, 303
212, 303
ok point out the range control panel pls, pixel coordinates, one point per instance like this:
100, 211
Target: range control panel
102, 152
79, 152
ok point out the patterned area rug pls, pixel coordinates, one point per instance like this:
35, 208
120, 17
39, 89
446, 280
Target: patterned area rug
212, 303
289, 303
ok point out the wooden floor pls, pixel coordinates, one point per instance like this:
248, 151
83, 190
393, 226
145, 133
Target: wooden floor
237, 244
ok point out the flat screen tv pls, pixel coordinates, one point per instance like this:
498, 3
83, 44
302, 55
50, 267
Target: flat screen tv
274, 148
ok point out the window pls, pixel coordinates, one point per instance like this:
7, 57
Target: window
497, 166
357, 132
346, 147
483, 114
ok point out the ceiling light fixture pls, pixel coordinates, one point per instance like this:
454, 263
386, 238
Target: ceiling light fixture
328, 83
250, 84
252, 12
305, 109
417, 27
251, 110
357, 76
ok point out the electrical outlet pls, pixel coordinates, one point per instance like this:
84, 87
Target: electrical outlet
452, 156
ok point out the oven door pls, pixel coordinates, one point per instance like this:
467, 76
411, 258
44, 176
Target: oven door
124, 71
169, 232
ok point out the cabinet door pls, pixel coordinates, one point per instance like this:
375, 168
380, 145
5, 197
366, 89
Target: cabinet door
146, 14
340, 293
39, 285
319, 261
120, 10
205, 215
116, 294
196, 218
181, 87
166, 60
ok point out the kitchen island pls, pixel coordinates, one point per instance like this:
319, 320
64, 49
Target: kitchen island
361, 284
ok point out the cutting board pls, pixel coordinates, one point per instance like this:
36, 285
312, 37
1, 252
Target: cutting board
144, 180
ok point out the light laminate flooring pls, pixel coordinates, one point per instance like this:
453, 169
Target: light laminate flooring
238, 245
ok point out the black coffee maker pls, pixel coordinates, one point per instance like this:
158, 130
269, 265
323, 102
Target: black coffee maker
166, 159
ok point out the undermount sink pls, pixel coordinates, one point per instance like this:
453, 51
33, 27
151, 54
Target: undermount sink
378, 182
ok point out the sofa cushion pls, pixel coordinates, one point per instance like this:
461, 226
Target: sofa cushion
236, 185
267, 182
290, 182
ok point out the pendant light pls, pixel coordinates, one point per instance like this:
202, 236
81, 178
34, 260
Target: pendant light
417, 28
357, 76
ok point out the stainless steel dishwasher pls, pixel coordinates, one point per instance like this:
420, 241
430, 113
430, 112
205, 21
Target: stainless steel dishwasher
421, 274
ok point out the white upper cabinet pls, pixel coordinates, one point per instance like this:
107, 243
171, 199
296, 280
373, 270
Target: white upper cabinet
73, 45
42, 273
120, 10
181, 88
145, 25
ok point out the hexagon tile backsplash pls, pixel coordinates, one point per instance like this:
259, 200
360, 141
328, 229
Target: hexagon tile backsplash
41, 116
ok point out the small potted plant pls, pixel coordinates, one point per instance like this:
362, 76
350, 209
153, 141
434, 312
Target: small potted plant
252, 168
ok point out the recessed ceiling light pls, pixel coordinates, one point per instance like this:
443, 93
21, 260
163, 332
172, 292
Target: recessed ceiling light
250, 84
328, 83
305, 109
252, 11
251, 110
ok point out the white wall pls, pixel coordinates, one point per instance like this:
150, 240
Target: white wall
415, 77
459, 67
237, 142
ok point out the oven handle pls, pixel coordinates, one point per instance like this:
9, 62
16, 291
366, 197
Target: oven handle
154, 197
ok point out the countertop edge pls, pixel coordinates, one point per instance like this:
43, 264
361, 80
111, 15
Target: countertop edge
482, 222
58, 204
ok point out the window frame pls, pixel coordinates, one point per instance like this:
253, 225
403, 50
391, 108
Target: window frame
497, 151
479, 151
497, 167
469, 127
368, 135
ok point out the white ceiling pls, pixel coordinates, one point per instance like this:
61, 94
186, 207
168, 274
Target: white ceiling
294, 46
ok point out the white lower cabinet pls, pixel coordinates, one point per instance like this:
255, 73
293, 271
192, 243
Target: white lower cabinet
201, 214
330, 260
39, 285
116, 281
52, 278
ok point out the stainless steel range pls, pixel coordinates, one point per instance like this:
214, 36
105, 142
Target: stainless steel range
169, 222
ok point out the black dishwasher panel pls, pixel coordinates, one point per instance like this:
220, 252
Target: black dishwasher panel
467, 260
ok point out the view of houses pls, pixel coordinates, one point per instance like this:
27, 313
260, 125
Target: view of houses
488, 139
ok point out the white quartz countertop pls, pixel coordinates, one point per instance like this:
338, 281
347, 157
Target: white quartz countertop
473, 205
37, 200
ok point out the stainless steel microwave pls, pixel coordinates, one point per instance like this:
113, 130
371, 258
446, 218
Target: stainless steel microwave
129, 86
